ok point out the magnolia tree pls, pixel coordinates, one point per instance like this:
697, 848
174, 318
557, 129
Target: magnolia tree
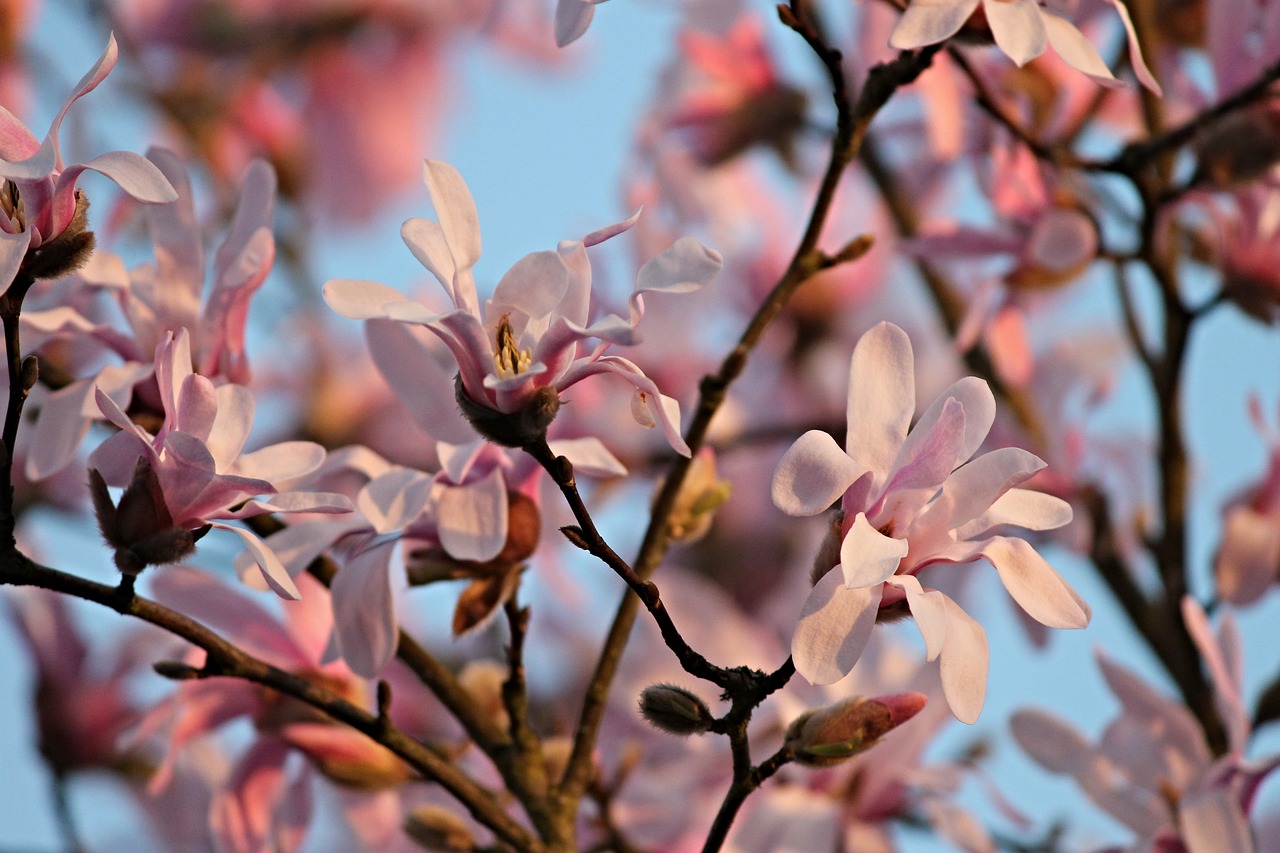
680, 533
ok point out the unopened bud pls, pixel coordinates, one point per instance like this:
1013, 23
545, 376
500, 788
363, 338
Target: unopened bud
483, 679
140, 528
30, 372
176, 670
556, 752
510, 429
439, 829
675, 710
700, 495
67, 252
828, 736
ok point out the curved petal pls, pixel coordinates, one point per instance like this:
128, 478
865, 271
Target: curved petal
979, 404
394, 500
834, 627
867, 556
426, 241
1076, 50
1017, 28
281, 464
456, 212
963, 662
62, 427
588, 456
358, 299
534, 285
472, 518
13, 250
364, 617
928, 609
683, 267
572, 19
930, 22
1136, 62
973, 488
882, 397
1212, 820
1033, 583
812, 475
134, 174
273, 571
1024, 508
242, 815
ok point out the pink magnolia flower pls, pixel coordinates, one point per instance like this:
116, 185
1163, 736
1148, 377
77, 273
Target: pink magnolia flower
1152, 769
1248, 559
263, 805
911, 500
158, 298
192, 472
39, 201
1022, 29
532, 337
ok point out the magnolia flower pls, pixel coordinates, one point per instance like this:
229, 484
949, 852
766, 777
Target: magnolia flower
1023, 29
1248, 558
192, 473
911, 500
531, 340
41, 211
1152, 769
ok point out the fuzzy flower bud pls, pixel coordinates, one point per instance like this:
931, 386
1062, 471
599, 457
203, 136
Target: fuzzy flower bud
700, 495
828, 736
674, 710
140, 529
435, 828
513, 429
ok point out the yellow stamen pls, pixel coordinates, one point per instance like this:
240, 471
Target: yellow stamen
508, 358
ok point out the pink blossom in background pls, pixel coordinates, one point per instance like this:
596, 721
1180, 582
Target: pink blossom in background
1248, 558
157, 299
909, 501
39, 199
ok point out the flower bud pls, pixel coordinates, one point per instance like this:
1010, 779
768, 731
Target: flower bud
510, 429
828, 736
700, 495
140, 528
435, 828
67, 252
483, 679
674, 710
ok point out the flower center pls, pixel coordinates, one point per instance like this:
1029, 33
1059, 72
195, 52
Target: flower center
509, 359
12, 206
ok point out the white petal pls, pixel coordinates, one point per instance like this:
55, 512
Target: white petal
426, 241
588, 456
683, 267
930, 21
812, 475
974, 487
456, 211
364, 611
1025, 508
867, 556
833, 629
1212, 821
273, 571
394, 500
1076, 50
1017, 28
882, 396
136, 175
928, 609
473, 518
360, 300
1033, 583
1136, 62
964, 664
979, 404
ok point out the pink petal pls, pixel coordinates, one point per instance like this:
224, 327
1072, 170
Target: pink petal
928, 609
1136, 62
394, 500
1033, 583
13, 250
1212, 821
87, 84
364, 612
1076, 50
812, 475
589, 456
929, 22
867, 556
254, 211
472, 518
374, 816
1017, 28
134, 174
175, 234
426, 241
572, 19
360, 300
420, 372
534, 286
17, 143
273, 571
197, 407
928, 456
963, 662
1226, 687
1022, 508
598, 236
281, 464
834, 627
974, 487
683, 267
456, 212
881, 397
242, 816
979, 413
1246, 563
62, 427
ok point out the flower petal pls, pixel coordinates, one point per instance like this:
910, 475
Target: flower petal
929, 22
1017, 28
364, 618
867, 556
1076, 50
134, 174
456, 212
273, 571
472, 518
1033, 583
834, 627
357, 299
394, 500
963, 662
928, 609
572, 19
882, 397
1212, 820
812, 475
